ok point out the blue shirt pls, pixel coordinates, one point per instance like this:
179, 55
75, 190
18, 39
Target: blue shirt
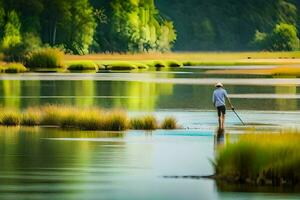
219, 97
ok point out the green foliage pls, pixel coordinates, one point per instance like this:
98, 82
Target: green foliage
12, 28
18, 53
13, 68
80, 27
85, 26
45, 58
225, 24
282, 38
138, 26
82, 65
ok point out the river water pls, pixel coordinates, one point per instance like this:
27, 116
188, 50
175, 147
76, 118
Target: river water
46, 163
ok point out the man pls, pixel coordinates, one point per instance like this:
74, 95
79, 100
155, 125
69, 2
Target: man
219, 97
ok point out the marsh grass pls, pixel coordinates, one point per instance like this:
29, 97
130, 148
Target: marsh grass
147, 122
261, 159
52, 114
32, 117
169, 123
69, 117
10, 118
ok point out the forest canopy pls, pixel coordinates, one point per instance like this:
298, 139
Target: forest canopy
93, 26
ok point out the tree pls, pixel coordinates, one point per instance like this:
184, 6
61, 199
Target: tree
284, 38
12, 34
70, 23
81, 28
138, 25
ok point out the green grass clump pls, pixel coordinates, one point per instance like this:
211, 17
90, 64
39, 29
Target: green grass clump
52, 114
159, 64
261, 159
174, 64
13, 68
121, 66
32, 117
140, 65
147, 122
169, 123
90, 121
45, 58
116, 121
10, 118
82, 65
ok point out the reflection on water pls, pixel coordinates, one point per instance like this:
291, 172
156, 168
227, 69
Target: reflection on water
100, 165
108, 165
219, 139
142, 96
39, 163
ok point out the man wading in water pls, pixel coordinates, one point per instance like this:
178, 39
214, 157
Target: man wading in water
219, 96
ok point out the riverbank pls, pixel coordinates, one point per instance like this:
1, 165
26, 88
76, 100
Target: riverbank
129, 62
199, 58
260, 159
68, 117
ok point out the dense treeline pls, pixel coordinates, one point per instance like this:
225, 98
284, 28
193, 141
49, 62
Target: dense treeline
91, 26
83, 26
226, 24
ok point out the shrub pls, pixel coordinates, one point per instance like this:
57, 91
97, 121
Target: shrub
45, 58
83, 65
13, 68
18, 53
169, 123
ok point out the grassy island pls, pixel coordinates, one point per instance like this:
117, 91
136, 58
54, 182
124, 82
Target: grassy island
82, 119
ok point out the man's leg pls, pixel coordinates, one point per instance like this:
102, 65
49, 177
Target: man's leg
223, 120
220, 121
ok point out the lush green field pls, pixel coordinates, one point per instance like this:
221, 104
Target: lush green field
261, 159
53, 60
196, 58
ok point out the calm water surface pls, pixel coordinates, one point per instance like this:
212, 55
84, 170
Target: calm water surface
41, 163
